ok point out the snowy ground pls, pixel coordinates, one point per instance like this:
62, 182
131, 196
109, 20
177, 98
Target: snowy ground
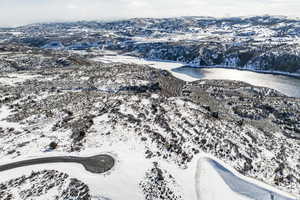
205, 177
215, 181
14, 78
159, 64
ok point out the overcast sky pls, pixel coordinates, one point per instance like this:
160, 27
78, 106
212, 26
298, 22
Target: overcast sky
19, 12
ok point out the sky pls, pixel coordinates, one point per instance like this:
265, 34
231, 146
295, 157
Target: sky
20, 12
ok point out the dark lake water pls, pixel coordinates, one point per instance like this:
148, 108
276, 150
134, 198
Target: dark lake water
287, 85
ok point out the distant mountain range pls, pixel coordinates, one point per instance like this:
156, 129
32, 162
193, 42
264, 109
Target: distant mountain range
258, 43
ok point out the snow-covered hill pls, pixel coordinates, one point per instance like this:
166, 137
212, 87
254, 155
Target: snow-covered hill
155, 125
172, 136
260, 43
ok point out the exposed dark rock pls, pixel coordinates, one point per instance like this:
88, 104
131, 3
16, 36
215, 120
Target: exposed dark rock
159, 184
53, 145
41, 182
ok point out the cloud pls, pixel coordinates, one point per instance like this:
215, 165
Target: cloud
18, 12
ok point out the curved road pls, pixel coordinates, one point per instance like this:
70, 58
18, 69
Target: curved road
95, 164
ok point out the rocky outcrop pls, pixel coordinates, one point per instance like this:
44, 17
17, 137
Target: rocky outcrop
40, 183
159, 185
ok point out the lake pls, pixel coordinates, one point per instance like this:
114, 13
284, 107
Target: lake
287, 85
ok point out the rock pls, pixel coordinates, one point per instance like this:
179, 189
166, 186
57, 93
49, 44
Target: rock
215, 115
53, 145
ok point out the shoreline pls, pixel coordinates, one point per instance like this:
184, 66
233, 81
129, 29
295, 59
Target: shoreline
282, 73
